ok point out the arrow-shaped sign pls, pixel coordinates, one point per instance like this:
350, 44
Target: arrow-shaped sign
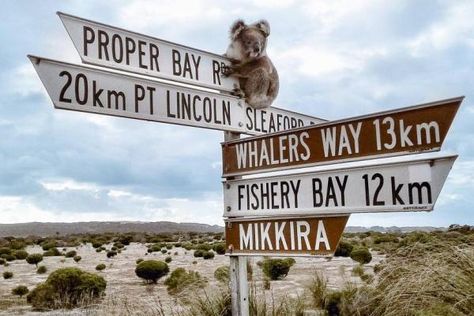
380, 187
85, 89
402, 131
104, 45
284, 237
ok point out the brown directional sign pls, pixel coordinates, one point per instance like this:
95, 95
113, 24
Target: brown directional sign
414, 129
312, 236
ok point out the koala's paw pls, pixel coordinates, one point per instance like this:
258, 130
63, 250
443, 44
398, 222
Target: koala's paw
238, 92
227, 70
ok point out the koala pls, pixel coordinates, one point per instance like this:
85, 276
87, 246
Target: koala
258, 78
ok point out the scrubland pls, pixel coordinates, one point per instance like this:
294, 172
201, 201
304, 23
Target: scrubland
372, 273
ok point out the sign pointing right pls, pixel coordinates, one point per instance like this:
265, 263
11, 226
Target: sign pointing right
414, 129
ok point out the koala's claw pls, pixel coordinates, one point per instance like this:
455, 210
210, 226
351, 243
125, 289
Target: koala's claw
226, 70
238, 93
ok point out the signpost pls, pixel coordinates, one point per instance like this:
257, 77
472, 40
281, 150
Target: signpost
302, 214
84, 89
403, 131
296, 236
380, 187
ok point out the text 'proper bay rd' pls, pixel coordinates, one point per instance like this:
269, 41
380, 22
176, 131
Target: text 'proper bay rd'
403, 131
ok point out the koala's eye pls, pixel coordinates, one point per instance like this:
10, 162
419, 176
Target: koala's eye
248, 42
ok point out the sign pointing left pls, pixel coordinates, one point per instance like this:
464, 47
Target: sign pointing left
85, 89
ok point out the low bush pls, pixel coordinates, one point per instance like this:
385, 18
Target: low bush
34, 258
222, 274
52, 252
2, 261
7, 275
164, 250
71, 254
344, 249
77, 258
5, 251
8, 257
67, 288
20, 290
139, 260
180, 279
168, 259
111, 253
198, 253
151, 270
20, 254
277, 269
208, 255
100, 267
361, 255
318, 288
219, 248
41, 270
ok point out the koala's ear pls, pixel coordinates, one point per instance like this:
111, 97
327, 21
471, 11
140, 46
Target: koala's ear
236, 28
263, 26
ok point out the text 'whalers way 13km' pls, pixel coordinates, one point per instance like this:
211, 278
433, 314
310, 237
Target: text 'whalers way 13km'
403, 131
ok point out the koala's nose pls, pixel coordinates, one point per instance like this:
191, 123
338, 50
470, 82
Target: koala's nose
256, 48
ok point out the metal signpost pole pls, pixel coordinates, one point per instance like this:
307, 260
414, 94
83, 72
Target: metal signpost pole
238, 265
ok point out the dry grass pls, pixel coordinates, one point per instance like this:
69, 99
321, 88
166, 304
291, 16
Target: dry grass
414, 281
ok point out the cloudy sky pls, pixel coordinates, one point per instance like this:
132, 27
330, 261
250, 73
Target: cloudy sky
336, 59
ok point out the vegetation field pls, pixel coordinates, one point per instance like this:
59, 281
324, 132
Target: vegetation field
372, 273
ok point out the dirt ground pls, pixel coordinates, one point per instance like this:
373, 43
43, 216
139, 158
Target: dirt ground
124, 285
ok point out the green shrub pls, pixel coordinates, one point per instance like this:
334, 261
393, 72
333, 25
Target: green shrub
208, 255
180, 280
34, 258
77, 258
344, 249
168, 259
358, 270
139, 260
169, 246
164, 250
222, 274
97, 244
198, 253
151, 270
41, 270
7, 275
195, 262
48, 245
20, 254
67, 288
98, 250
71, 254
5, 251
20, 290
52, 252
100, 267
111, 254
219, 248
361, 255
8, 257
2, 261
276, 269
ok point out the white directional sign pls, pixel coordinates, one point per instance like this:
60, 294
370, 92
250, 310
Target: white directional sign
78, 88
108, 46
401, 186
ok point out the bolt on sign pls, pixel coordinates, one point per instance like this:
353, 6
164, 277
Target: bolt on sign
312, 236
104, 45
85, 89
409, 130
380, 187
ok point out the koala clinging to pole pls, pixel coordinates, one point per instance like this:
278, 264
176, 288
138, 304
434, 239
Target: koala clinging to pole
258, 77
